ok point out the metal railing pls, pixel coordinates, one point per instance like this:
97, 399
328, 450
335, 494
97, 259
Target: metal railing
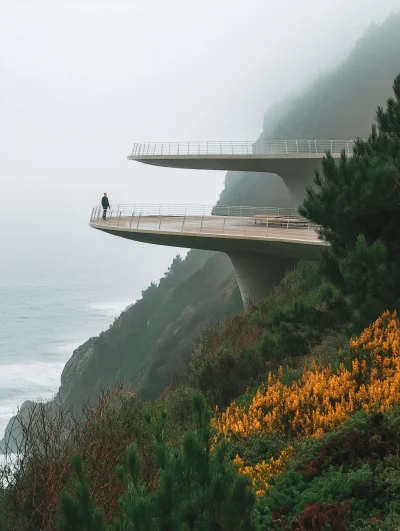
260, 147
178, 209
247, 221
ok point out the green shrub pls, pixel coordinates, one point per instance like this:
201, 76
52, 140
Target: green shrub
357, 467
198, 489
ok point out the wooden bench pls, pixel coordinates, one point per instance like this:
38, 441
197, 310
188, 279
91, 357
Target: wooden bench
276, 219
263, 218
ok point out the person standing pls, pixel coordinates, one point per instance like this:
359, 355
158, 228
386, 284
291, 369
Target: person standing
105, 204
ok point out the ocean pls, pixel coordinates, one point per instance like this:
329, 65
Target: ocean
61, 282
36, 340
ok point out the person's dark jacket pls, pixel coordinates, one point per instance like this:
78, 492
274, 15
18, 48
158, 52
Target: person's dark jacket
104, 202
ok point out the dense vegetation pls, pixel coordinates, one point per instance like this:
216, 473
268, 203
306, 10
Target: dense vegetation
339, 104
284, 417
319, 451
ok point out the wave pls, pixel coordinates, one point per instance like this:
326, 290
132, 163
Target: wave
109, 309
37, 381
22, 378
68, 347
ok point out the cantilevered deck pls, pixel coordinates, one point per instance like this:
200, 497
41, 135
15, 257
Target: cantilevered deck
295, 161
272, 232
262, 243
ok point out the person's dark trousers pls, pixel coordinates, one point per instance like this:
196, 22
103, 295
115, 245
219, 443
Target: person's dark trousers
104, 213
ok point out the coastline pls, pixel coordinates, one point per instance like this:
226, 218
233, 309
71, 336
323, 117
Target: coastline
37, 376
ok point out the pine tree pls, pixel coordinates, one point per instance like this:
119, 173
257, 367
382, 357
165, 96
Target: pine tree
199, 488
356, 201
78, 512
175, 266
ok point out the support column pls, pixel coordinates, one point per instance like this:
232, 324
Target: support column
257, 274
297, 185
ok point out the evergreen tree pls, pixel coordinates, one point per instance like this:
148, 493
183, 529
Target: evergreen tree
78, 512
199, 488
356, 201
176, 265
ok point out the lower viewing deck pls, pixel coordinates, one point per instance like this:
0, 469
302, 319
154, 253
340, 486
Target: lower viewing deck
279, 232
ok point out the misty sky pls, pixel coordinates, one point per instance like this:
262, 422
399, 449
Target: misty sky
81, 81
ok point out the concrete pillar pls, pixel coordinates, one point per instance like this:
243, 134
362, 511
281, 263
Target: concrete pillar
297, 185
257, 274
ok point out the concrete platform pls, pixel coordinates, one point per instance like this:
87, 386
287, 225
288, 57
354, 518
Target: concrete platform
281, 164
216, 233
295, 161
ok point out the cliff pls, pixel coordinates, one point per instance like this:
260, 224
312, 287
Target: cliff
147, 343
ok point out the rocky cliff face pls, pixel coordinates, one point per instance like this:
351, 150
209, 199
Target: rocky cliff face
13, 431
147, 343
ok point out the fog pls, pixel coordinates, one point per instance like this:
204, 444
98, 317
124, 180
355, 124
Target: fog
80, 82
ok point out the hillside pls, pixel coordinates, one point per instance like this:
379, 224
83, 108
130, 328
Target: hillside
338, 105
147, 343
284, 417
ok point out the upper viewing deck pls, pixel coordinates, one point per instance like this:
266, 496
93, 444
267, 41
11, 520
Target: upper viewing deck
283, 157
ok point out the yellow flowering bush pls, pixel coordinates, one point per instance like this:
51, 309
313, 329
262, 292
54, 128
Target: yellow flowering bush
263, 471
369, 377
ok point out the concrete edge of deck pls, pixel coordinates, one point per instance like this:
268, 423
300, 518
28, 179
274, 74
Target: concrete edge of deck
108, 228
274, 156
273, 246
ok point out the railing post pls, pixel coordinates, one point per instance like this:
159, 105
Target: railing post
286, 147
130, 224
223, 227
159, 225
331, 146
183, 222
137, 226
